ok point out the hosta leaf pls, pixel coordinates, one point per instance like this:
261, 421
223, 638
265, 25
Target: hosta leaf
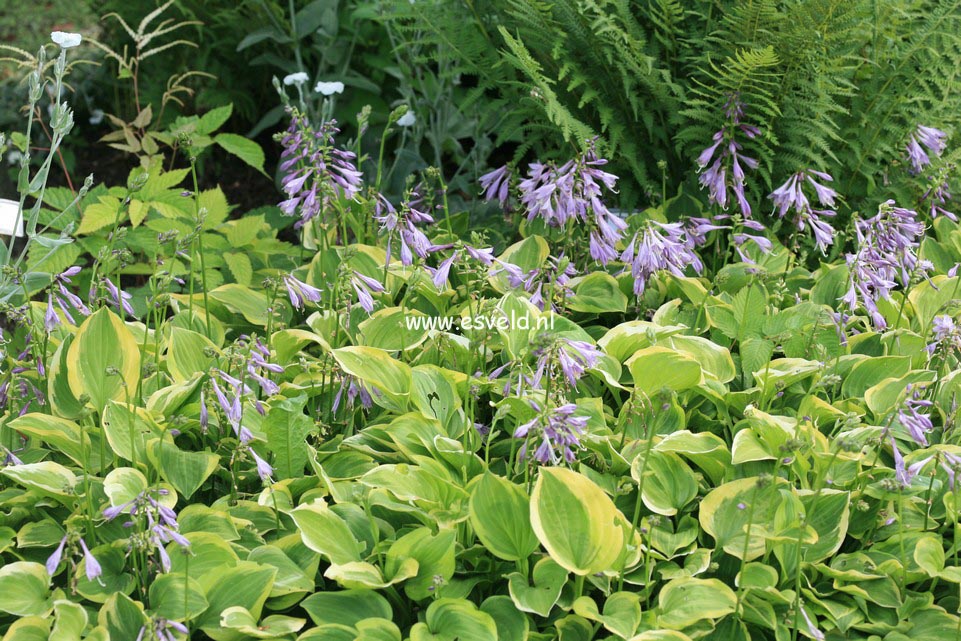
449, 619
683, 602
500, 515
391, 378
326, 533
26, 589
576, 521
104, 360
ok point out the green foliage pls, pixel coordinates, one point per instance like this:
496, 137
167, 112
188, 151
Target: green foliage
835, 86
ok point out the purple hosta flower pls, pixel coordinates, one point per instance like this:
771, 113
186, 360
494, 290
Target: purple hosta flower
887, 255
119, 300
355, 389
264, 470
726, 170
315, 170
816, 634
204, 414
946, 334
441, 273
553, 278
556, 431
91, 565
904, 474
159, 519
763, 243
483, 430
660, 247
916, 423
951, 464
364, 287
258, 365
403, 223
9, 458
496, 185
484, 256
233, 410
573, 357
162, 629
791, 195
64, 299
924, 138
300, 292
572, 192
53, 561
938, 194
697, 228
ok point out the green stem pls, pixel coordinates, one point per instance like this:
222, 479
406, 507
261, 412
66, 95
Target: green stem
200, 245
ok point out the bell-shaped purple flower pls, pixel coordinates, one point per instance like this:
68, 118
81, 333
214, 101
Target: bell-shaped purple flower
53, 561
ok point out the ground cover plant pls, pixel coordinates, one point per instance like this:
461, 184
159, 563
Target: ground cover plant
388, 402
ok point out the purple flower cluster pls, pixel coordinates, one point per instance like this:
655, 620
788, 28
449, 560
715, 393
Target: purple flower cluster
905, 474
496, 185
951, 464
946, 334
553, 279
887, 255
938, 194
660, 247
364, 287
911, 419
91, 565
64, 299
726, 170
355, 390
27, 392
564, 194
742, 239
403, 224
791, 195
572, 357
118, 299
924, 138
558, 432
300, 292
441, 273
162, 629
315, 170
160, 520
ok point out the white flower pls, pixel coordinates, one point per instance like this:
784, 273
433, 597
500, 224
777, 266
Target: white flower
298, 78
96, 116
329, 88
407, 119
65, 39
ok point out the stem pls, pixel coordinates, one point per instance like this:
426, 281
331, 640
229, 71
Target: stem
747, 546
200, 245
904, 563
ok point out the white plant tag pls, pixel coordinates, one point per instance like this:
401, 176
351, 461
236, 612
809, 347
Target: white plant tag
8, 215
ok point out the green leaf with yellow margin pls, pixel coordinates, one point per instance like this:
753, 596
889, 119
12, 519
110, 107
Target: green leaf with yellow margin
104, 360
576, 521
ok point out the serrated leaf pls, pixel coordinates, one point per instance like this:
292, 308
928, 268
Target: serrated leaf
243, 148
240, 267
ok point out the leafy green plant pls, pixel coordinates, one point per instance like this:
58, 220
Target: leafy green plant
831, 86
406, 427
